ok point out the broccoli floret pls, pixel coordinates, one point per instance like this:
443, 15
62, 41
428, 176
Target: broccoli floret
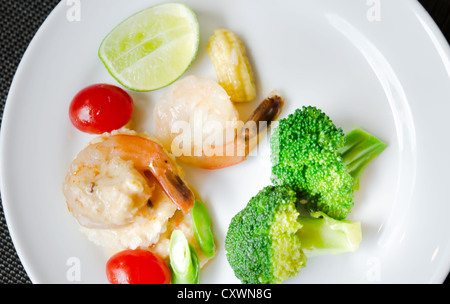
270, 240
262, 243
316, 158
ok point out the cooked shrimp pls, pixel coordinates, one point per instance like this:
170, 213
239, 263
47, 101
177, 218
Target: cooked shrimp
107, 186
207, 113
151, 229
145, 230
236, 151
194, 102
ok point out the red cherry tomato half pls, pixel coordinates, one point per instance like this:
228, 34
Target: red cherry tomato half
137, 266
101, 108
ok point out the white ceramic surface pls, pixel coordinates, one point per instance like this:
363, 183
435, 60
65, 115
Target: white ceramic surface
382, 65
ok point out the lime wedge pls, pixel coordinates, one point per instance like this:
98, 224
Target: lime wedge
152, 48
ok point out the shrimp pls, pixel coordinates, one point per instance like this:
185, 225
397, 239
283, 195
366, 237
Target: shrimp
108, 182
194, 102
204, 104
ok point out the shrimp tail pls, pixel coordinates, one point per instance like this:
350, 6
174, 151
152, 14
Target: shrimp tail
260, 120
148, 155
174, 187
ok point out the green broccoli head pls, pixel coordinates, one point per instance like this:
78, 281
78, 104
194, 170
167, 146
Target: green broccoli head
262, 243
305, 155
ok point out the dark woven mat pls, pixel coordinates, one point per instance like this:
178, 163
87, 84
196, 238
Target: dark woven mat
19, 21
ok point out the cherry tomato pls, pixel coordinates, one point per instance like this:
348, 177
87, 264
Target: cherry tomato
101, 108
137, 266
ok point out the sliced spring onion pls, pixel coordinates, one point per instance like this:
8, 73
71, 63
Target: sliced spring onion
202, 229
184, 262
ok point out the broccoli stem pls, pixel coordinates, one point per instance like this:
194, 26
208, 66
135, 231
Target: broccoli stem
322, 235
359, 150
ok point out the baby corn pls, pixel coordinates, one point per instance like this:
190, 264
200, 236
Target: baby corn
234, 73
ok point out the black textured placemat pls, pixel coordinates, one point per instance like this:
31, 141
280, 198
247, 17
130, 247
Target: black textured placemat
19, 21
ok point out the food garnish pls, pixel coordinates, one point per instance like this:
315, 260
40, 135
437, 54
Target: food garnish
137, 267
101, 108
152, 48
184, 261
201, 223
234, 72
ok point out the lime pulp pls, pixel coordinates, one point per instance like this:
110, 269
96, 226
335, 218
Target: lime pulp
152, 48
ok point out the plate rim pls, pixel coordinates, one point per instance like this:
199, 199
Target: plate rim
5, 122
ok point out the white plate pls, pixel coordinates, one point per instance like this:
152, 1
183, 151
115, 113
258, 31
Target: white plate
383, 67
